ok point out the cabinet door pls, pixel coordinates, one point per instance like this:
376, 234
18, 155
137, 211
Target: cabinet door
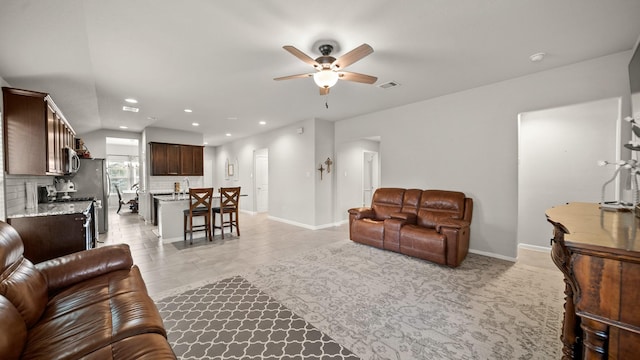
48, 237
25, 134
198, 161
186, 160
191, 158
58, 145
173, 159
51, 141
158, 159
165, 159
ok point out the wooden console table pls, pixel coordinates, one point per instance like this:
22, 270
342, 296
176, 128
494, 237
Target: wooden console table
599, 253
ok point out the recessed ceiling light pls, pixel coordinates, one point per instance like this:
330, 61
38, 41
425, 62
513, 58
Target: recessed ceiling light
537, 57
188, 110
227, 134
130, 109
195, 124
263, 123
123, 127
131, 101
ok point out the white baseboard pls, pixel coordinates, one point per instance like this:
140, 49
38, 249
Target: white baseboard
493, 255
534, 247
306, 226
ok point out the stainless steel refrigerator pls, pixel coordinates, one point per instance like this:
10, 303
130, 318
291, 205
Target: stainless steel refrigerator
92, 180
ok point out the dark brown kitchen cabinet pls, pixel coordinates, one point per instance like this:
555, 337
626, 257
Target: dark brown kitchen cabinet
176, 159
25, 134
47, 237
35, 133
191, 158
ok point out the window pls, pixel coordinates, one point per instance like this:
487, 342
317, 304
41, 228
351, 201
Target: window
123, 171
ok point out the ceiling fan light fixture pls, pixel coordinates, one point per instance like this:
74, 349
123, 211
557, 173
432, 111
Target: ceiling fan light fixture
325, 78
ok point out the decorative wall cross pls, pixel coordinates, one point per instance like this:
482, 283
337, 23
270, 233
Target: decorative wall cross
328, 162
321, 169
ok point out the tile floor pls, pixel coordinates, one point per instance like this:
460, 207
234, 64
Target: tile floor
167, 267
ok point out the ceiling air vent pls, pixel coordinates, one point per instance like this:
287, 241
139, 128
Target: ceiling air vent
388, 84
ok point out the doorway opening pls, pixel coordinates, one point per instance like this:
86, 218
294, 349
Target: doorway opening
558, 152
370, 176
261, 180
123, 168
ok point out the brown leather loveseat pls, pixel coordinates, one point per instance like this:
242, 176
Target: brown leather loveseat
90, 305
427, 224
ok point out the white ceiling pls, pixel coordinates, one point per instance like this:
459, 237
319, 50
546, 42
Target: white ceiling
219, 58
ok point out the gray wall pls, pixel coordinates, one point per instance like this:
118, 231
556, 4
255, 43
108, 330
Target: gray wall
349, 169
96, 141
558, 153
467, 141
296, 194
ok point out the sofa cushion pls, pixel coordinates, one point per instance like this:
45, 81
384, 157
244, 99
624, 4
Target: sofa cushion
368, 231
139, 347
26, 288
423, 243
94, 314
13, 330
20, 282
387, 201
411, 201
438, 204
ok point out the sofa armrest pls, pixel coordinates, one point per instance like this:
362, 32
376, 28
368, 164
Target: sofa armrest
451, 223
70, 269
362, 213
407, 218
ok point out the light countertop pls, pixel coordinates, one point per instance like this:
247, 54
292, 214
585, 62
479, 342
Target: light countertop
48, 209
177, 197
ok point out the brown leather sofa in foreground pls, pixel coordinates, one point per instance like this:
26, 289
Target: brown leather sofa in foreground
91, 305
428, 224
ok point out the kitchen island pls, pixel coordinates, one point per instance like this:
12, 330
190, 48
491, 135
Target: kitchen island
171, 215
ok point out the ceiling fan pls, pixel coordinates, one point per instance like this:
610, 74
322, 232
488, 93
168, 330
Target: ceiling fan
329, 69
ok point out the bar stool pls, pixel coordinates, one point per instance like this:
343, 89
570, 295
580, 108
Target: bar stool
199, 205
229, 204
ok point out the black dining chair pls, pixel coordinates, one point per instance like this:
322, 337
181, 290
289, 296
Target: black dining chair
133, 203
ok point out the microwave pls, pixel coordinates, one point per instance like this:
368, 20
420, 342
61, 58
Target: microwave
71, 161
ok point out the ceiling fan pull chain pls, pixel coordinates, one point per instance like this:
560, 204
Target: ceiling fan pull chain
326, 101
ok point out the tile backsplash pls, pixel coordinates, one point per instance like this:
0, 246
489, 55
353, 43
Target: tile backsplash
15, 190
165, 183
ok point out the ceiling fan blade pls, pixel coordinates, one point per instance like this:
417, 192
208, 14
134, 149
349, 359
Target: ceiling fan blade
361, 78
352, 56
302, 56
324, 91
293, 77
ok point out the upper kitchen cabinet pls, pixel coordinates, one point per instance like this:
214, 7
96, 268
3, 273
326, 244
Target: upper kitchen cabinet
176, 159
35, 133
191, 159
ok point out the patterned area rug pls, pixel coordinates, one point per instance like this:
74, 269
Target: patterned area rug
231, 319
378, 304
384, 305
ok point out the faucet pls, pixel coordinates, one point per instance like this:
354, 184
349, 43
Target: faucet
185, 189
